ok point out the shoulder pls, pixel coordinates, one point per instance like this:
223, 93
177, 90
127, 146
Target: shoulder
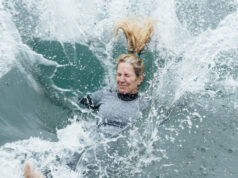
99, 95
103, 92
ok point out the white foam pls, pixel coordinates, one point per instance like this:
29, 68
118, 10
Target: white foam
8, 43
170, 34
199, 57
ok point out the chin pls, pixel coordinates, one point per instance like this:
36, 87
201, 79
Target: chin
122, 91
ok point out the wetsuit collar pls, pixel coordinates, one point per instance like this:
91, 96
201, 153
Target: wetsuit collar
127, 97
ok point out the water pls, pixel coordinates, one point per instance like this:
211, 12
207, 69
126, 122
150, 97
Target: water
52, 52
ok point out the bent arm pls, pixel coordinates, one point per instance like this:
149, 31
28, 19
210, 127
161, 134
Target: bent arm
88, 101
93, 100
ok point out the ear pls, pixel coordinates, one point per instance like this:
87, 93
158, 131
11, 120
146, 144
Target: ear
140, 79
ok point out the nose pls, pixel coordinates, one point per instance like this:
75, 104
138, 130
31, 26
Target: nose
121, 78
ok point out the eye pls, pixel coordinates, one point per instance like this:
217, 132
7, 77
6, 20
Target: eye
127, 75
118, 74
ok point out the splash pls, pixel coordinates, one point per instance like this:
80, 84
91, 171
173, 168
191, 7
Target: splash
190, 127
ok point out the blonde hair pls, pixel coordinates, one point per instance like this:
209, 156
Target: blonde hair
137, 33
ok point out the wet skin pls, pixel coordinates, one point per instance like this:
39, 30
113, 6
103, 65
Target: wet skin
127, 81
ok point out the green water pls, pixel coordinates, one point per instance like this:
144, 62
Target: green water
29, 112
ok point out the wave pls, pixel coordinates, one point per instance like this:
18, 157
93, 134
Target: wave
52, 52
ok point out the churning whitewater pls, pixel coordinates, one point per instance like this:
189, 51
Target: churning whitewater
56, 51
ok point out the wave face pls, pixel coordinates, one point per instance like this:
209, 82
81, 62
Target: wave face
54, 51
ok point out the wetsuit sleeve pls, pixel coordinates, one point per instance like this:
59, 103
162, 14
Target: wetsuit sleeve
92, 101
87, 101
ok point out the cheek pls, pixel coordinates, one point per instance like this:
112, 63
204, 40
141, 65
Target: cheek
129, 80
132, 82
117, 79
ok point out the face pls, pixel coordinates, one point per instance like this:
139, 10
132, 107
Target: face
127, 81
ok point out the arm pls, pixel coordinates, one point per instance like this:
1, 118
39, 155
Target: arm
87, 101
92, 101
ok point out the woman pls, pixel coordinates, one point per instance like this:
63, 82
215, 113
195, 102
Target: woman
116, 109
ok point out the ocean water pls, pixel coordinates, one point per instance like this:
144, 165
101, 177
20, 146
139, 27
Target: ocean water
54, 51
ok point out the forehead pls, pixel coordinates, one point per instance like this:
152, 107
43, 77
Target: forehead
125, 67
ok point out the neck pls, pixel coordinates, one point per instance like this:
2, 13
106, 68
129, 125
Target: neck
127, 96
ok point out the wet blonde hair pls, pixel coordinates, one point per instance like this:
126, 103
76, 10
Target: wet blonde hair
137, 33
